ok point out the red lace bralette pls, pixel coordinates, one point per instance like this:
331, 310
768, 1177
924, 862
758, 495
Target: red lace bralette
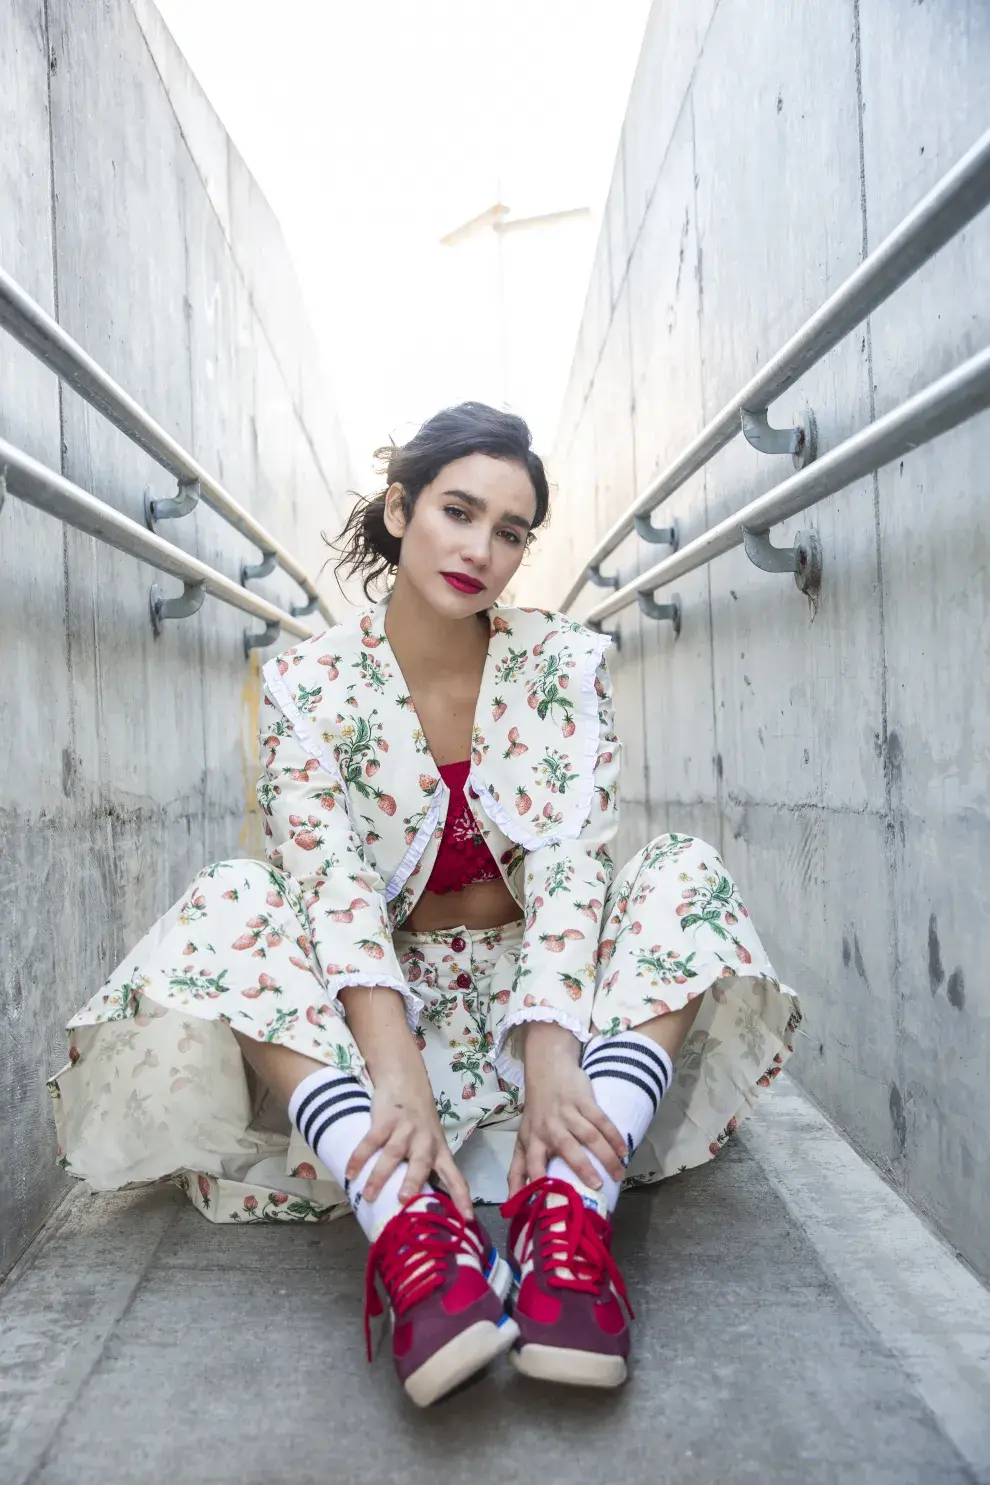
463, 857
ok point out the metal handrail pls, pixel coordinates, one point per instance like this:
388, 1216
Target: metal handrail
25, 478
953, 202
943, 405
28, 323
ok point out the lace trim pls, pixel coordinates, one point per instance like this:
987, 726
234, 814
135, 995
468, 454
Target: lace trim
418, 844
514, 828
414, 1004
593, 659
509, 1067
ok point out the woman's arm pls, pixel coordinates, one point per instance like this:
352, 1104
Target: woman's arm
565, 889
404, 1120
310, 837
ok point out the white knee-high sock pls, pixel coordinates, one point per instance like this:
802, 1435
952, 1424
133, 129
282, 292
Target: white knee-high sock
630, 1074
332, 1112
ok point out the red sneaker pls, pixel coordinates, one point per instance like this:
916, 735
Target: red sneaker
567, 1305
446, 1285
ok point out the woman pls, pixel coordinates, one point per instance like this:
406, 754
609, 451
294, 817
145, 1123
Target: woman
437, 959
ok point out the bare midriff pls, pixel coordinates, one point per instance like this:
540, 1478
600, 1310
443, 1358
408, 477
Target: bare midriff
480, 905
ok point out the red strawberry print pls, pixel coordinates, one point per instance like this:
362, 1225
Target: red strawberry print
743, 954
307, 840
500, 625
386, 804
371, 768
523, 802
278, 1198
245, 941
498, 709
569, 728
428, 783
204, 1187
250, 1202
304, 1171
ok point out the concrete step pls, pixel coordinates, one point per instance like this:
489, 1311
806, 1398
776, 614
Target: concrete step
796, 1322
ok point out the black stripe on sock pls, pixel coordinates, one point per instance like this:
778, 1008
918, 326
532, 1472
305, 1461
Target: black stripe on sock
616, 1043
345, 1080
332, 1119
351, 1104
597, 1064
648, 1089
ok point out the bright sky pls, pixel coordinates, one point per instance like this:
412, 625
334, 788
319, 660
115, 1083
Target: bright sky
375, 128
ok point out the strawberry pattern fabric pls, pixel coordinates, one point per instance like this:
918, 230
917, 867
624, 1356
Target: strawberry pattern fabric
354, 809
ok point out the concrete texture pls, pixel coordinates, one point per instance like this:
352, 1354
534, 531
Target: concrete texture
138, 1342
130, 762
835, 754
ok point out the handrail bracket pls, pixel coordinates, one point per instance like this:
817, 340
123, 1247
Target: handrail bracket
804, 558
268, 636
614, 635
299, 610
801, 441
189, 602
171, 509
257, 569
667, 536
661, 611
595, 576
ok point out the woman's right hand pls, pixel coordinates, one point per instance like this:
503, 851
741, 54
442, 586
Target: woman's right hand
405, 1124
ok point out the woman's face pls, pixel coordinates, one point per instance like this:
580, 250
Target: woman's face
467, 533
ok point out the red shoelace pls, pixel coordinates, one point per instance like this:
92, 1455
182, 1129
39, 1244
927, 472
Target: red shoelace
410, 1254
580, 1244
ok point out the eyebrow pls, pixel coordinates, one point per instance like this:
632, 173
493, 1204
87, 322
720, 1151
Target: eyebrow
479, 503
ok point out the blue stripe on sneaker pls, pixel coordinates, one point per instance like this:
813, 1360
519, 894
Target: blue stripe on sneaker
491, 1261
502, 1318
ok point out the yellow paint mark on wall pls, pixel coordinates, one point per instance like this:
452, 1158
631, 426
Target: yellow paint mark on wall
251, 839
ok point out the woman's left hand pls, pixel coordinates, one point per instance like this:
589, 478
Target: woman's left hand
560, 1115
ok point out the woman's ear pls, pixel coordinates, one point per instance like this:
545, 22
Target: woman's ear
395, 514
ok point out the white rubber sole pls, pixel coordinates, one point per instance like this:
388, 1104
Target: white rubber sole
466, 1354
574, 1368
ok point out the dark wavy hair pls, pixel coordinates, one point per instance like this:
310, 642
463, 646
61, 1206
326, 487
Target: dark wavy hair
367, 546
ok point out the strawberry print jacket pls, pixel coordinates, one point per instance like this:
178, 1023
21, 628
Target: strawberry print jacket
354, 805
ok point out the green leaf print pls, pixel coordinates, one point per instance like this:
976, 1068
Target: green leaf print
553, 770
308, 698
200, 986
440, 1012
664, 965
281, 1025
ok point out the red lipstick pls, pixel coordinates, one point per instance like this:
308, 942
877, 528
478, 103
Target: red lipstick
462, 582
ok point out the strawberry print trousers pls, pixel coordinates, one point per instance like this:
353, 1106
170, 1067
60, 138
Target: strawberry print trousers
156, 1088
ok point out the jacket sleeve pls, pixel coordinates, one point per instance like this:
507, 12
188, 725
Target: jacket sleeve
310, 836
565, 887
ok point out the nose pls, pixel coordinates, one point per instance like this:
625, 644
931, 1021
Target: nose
476, 546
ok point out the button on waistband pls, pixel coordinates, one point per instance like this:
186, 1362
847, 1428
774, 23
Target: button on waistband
458, 944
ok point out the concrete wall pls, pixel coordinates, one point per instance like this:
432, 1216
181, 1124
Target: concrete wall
837, 756
129, 762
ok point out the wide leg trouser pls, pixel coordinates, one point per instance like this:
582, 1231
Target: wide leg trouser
156, 1087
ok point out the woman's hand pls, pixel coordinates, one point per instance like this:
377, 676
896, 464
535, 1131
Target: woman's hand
560, 1115
404, 1120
